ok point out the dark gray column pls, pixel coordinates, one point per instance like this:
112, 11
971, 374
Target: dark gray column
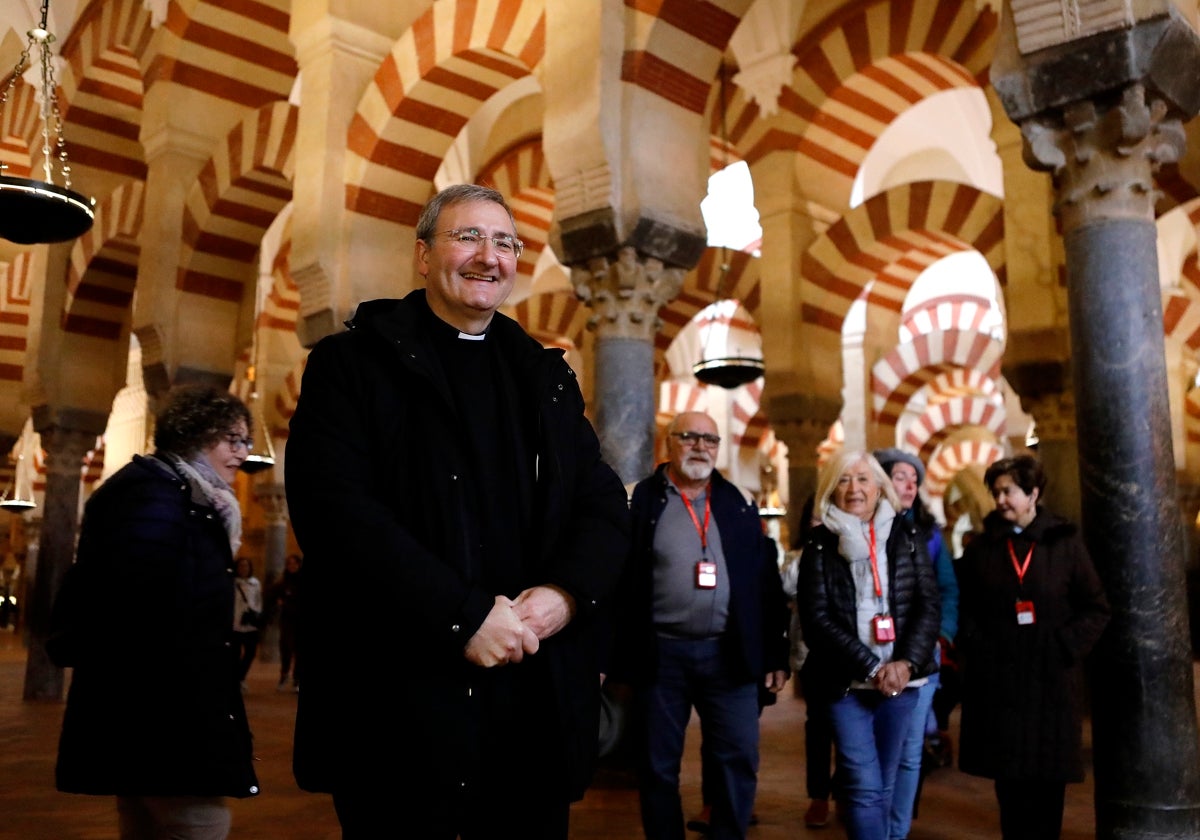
625, 296
65, 447
1102, 113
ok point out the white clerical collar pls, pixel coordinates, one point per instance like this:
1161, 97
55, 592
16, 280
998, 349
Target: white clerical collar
468, 337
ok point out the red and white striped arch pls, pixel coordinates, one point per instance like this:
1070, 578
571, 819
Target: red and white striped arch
948, 312
861, 67
102, 274
14, 318
103, 87
282, 303
908, 367
677, 47
1192, 417
952, 459
452, 60
833, 442
925, 218
238, 52
941, 418
522, 176
552, 317
240, 191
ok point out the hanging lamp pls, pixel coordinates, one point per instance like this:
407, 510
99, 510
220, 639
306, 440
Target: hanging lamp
18, 495
262, 454
717, 366
33, 211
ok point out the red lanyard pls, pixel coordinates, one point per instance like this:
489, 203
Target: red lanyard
703, 532
1022, 568
875, 563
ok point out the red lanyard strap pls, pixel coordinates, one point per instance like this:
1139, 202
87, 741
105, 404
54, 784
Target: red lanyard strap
1021, 568
703, 532
875, 564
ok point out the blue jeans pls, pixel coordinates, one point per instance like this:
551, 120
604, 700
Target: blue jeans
696, 673
869, 730
908, 774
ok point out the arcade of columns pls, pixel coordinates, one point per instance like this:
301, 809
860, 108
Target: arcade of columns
258, 172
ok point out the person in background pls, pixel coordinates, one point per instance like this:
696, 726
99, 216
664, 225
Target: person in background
818, 729
1031, 609
907, 473
284, 597
154, 716
701, 622
461, 539
247, 616
869, 610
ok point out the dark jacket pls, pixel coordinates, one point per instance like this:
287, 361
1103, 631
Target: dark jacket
758, 612
144, 617
826, 600
1022, 700
380, 488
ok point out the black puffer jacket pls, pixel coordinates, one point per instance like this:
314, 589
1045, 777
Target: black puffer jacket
145, 617
1022, 702
826, 599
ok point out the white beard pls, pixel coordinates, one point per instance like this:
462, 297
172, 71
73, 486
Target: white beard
696, 470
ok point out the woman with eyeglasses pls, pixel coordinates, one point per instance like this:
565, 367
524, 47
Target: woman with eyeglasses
869, 611
154, 715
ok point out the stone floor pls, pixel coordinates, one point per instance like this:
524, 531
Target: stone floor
954, 806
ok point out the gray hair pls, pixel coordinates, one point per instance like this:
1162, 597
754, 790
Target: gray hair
828, 480
457, 194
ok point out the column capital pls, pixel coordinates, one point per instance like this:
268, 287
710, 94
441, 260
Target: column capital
272, 499
1103, 153
802, 422
625, 294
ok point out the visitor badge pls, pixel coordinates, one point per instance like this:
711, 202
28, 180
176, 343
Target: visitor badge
1025, 614
706, 575
885, 628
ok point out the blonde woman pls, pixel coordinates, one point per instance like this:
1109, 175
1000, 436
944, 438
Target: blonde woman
869, 609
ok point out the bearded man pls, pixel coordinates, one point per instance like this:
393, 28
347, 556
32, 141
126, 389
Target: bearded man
701, 621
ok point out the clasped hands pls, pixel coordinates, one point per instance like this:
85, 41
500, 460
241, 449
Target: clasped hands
893, 677
516, 628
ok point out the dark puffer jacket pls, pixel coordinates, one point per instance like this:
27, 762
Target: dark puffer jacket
827, 601
144, 616
1023, 684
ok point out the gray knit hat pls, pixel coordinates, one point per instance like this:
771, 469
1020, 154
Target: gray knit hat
888, 457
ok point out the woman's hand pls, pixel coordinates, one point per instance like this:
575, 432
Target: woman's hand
893, 677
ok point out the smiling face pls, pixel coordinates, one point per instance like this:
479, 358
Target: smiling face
467, 283
227, 454
857, 491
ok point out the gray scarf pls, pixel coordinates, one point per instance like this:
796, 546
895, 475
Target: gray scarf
208, 487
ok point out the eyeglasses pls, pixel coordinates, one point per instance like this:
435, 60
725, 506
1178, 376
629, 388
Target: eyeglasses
694, 438
237, 442
472, 239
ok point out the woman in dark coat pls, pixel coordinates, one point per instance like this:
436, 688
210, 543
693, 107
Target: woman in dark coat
1031, 607
145, 617
869, 611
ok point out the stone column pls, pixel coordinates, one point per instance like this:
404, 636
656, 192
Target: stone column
65, 447
802, 423
1101, 114
625, 297
270, 495
1045, 390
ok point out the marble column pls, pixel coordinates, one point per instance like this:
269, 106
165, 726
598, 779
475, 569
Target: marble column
1102, 114
65, 447
625, 296
270, 495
